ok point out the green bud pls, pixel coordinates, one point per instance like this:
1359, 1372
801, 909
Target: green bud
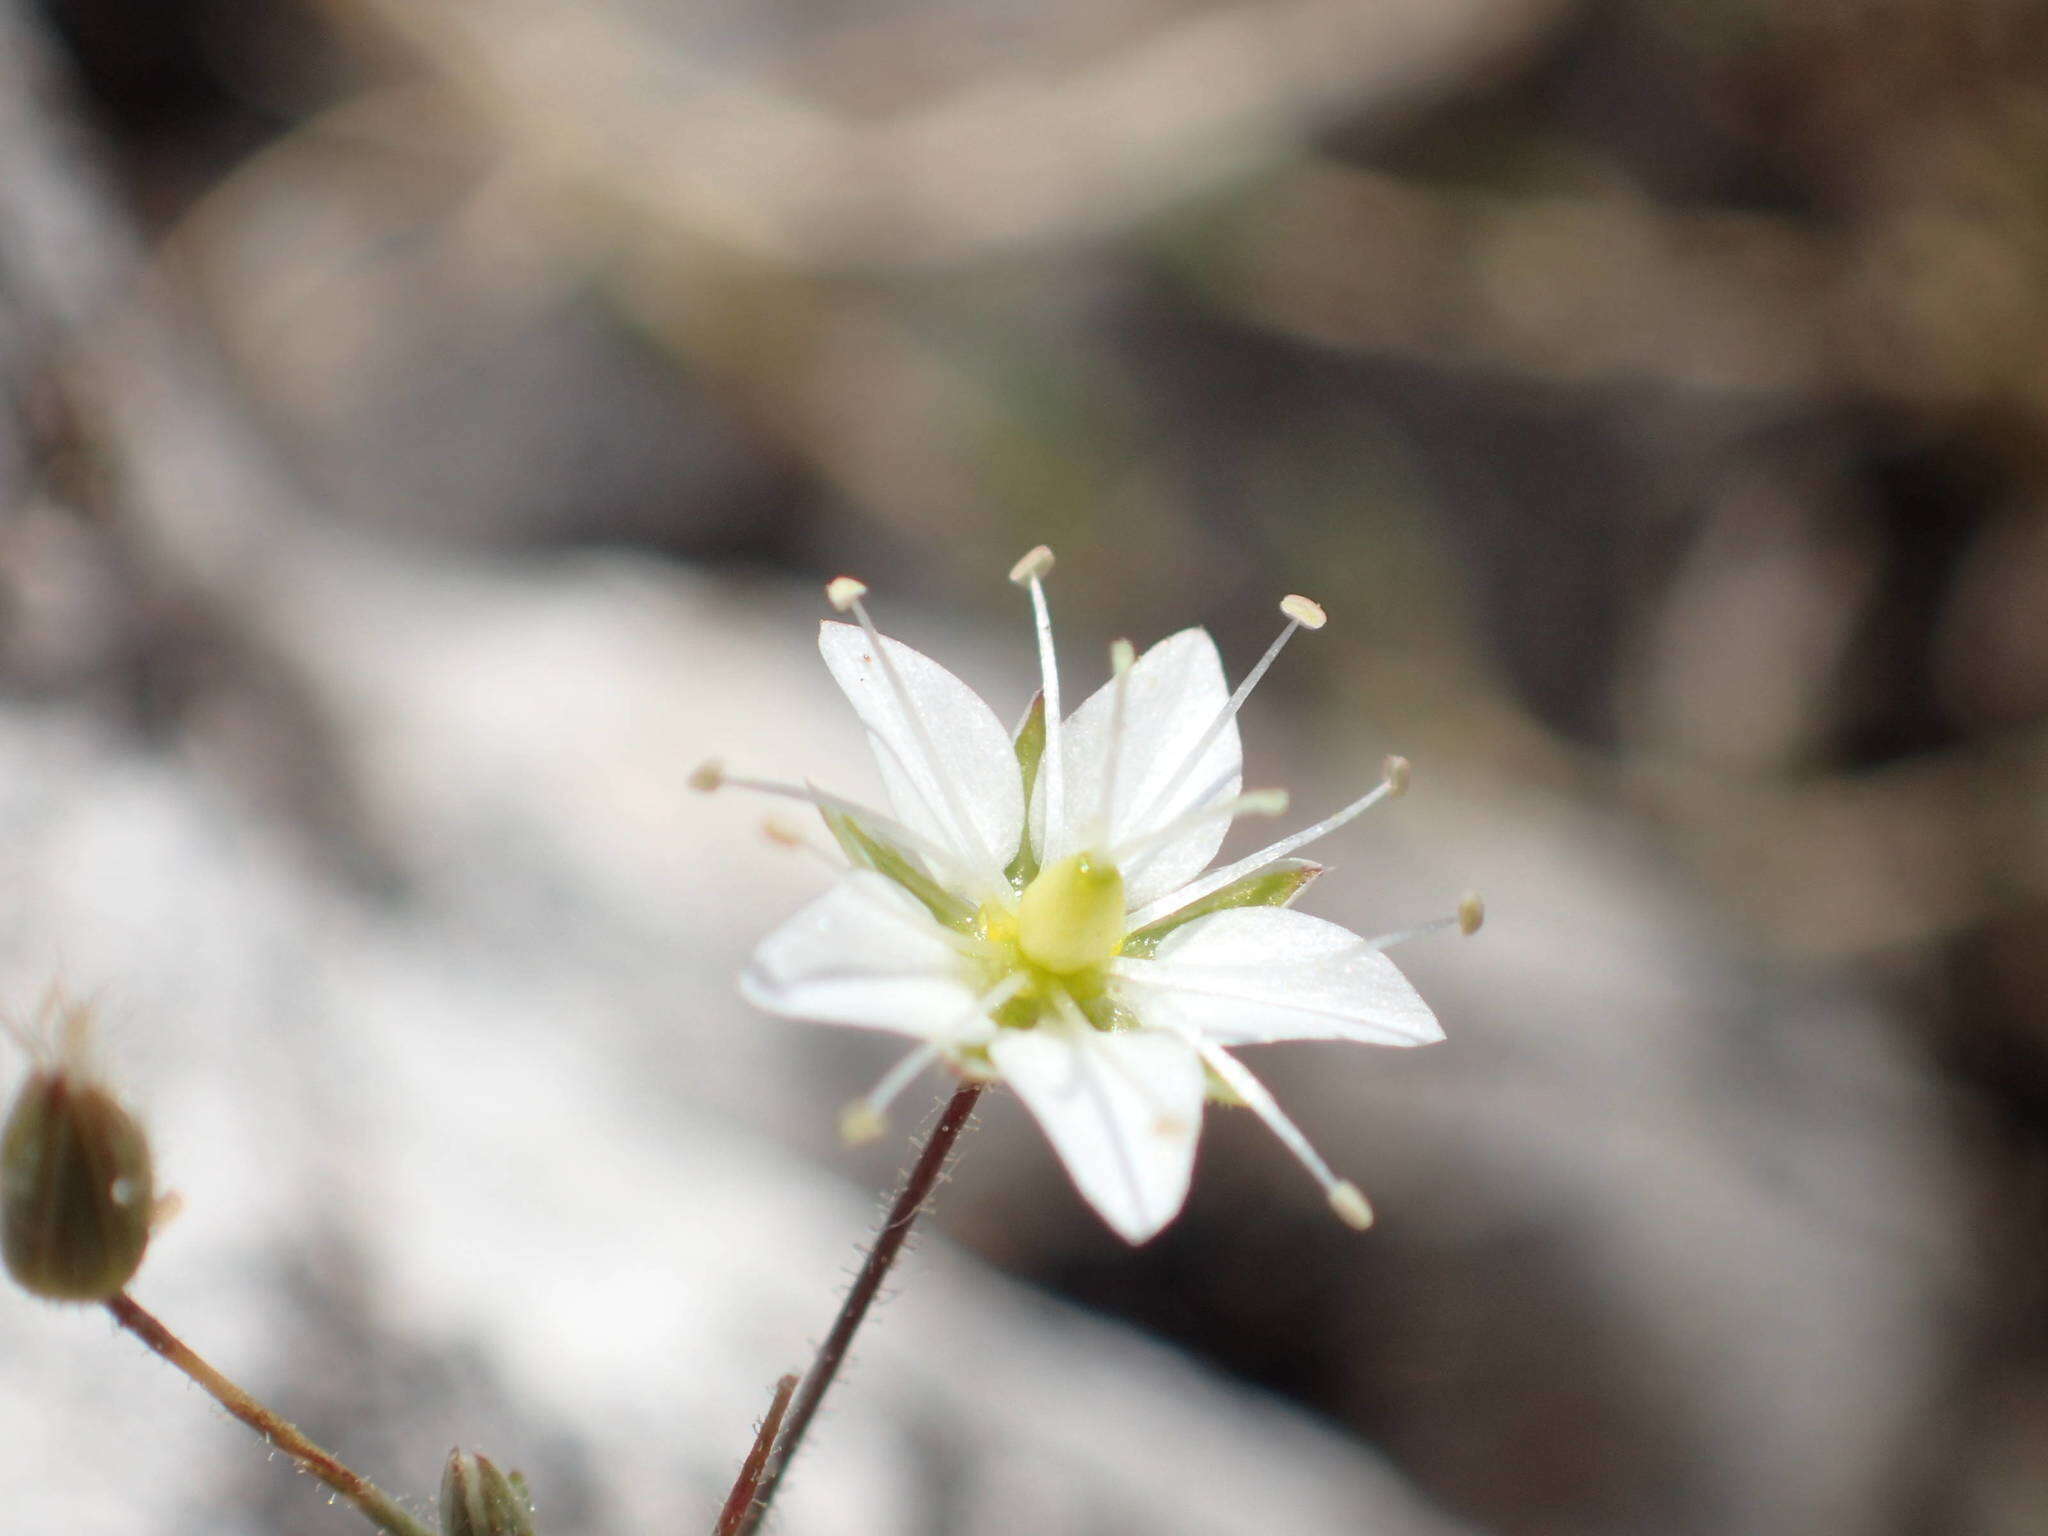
479, 1500
1072, 916
76, 1190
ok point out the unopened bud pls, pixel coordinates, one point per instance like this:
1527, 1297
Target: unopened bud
76, 1190
479, 1500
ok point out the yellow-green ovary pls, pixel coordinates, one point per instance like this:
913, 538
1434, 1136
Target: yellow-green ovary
1071, 918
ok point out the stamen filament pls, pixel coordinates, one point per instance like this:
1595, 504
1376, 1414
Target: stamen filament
1467, 919
1196, 806
1255, 802
710, 777
1216, 879
867, 1117
1030, 572
847, 597
1121, 657
1343, 1195
1301, 613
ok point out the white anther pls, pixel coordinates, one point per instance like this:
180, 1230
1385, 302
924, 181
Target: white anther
1350, 1204
1395, 771
1471, 913
842, 592
1035, 566
1121, 655
1305, 611
861, 1123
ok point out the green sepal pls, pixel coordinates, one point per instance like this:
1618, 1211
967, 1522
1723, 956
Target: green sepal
1029, 742
870, 850
479, 1500
1274, 886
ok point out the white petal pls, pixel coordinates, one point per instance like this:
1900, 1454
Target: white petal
868, 953
1264, 973
1176, 691
1121, 1110
951, 772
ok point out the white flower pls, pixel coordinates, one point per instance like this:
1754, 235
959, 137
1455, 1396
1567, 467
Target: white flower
1036, 910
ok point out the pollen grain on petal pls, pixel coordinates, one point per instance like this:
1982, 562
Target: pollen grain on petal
1350, 1204
1396, 770
842, 592
1305, 611
1471, 913
708, 776
1035, 566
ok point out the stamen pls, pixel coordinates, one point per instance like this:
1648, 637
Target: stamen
844, 593
712, 776
1201, 802
867, 1117
1301, 614
1216, 879
1253, 802
1031, 572
1343, 1195
1305, 611
1121, 657
1471, 914
785, 835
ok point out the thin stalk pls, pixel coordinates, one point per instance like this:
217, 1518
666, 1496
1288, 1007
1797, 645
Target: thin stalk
377, 1506
748, 1484
918, 1185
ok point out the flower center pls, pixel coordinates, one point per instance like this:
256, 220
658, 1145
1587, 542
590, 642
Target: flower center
1071, 918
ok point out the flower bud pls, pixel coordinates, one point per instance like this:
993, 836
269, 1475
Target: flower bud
479, 1500
76, 1189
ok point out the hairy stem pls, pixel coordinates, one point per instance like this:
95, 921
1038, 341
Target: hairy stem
377, 1506
748, 1484
918, 1185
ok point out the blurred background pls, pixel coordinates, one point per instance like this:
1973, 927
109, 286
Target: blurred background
423, 429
